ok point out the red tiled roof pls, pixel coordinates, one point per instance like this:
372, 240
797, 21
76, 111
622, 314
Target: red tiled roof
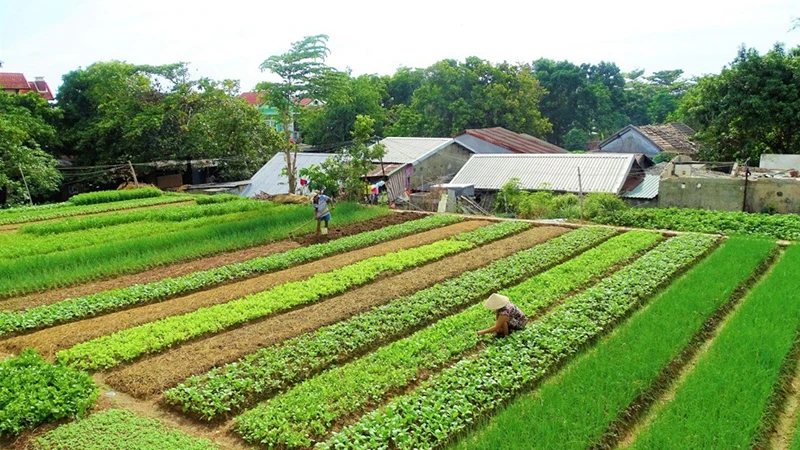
252, 98
518, 143
305, 101
13, 81
42, 88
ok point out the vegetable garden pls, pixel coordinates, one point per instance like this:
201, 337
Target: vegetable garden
223, 331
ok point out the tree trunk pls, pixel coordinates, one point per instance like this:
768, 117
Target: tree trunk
289, 152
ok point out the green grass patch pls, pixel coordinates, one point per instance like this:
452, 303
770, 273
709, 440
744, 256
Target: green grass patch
564, 413
119, 429
724, 402
61, 210
24, 275
91, 198
111, 350
230, 388
306, 413
33, 392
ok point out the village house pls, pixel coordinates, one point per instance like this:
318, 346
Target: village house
16, 83
272, 115
652, 140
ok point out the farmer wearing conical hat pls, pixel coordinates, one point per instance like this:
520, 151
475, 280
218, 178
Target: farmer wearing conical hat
509, 317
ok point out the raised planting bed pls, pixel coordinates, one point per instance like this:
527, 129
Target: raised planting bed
452, 400
625, 372
104, 302
230, 388
129, 344
305, 414
729, 399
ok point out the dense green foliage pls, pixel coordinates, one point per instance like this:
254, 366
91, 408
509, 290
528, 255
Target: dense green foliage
91, 198
116, 111
59, 210
751, 108
111, 350
545, 204
228, 389
115, 258
33, 391
564, 412
28, 142
453, 399
725, 401
114, 299
306, 413
121, 430
779, 226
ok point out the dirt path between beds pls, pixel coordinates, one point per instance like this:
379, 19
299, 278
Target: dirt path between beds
148, 377
51, 340
187, 267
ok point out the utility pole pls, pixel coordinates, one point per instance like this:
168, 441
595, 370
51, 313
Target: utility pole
746, 176
30, 199
580, 192
133, 172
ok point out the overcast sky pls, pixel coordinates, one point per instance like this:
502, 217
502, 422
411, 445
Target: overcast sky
229, 39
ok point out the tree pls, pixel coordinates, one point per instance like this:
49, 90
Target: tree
25, 134
455, 96
576, 140
116, 112
752, 107
302, 71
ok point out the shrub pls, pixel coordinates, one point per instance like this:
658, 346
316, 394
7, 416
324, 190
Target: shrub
92, 198
33, 392
601, 203
217, 198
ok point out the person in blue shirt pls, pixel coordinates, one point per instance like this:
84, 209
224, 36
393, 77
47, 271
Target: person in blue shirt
321, 210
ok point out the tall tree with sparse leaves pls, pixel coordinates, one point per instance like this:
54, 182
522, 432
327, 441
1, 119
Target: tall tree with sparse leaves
303, 73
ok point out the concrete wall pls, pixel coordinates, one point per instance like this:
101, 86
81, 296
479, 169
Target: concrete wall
772, 161
436, 168
727, 194
631, 142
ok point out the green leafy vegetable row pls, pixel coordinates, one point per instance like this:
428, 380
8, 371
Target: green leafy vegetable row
16, 245
126, 345
68, 210
725, 401
103, 302
171, 214
305, 414
776, 226
564, 413
119, 429
39, 272
229, 388
33, 391
91, 198
453, 399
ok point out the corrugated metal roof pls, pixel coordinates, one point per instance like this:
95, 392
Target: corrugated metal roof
479, 146
387, 169
518, 143
405, 150
599, 172
647, 189
268, 179
673, 137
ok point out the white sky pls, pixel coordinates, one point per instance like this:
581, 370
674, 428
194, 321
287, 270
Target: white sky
230, 39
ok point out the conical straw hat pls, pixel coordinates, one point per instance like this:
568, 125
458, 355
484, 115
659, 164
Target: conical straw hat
496, 301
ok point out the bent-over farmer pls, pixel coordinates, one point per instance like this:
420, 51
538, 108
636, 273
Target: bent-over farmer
321, 211
509, 317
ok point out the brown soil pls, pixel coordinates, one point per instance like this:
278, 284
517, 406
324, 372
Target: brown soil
148, 377
13, 226
785, 422
51, 340
179, 269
